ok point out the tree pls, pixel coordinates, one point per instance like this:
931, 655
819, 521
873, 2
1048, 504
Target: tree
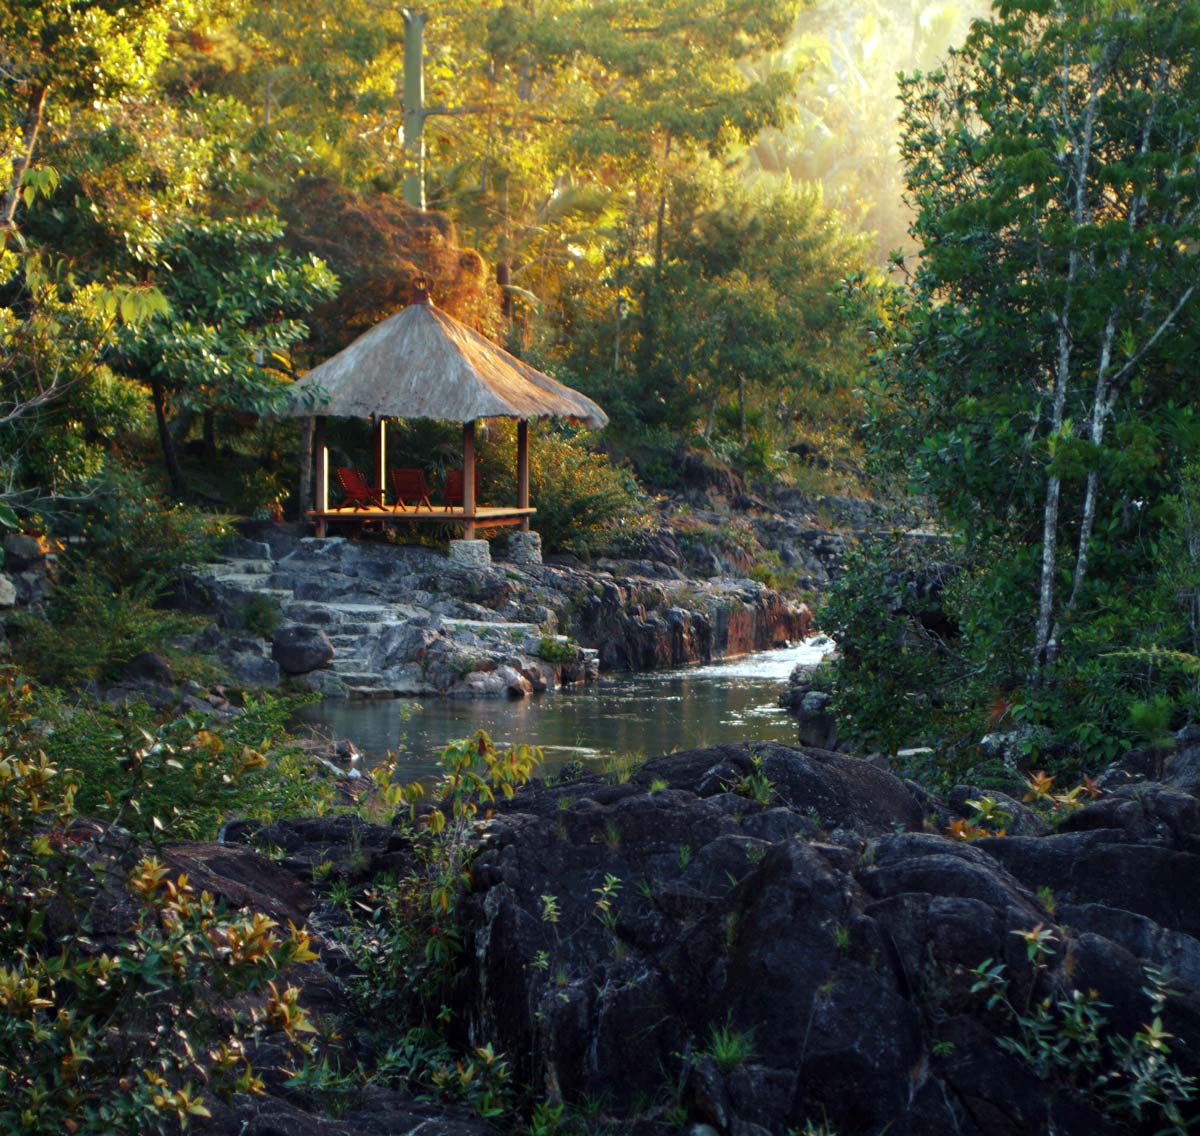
234, 297
1053, 167
57, 52
57, 394
567, 95
750, 334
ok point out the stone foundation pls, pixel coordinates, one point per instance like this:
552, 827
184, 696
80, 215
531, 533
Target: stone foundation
525, 548
471, 554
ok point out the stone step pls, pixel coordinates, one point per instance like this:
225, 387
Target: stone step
351, 661
250, 567
253, 585
340, 640
484, 628
364, 613
357, 664
370, 692
311, 613
364, 630
225, 568
360, 678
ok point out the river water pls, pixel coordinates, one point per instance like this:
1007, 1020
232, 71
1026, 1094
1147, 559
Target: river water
627, 715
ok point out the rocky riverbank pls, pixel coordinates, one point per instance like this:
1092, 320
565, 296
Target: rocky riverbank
369, 619
747, 939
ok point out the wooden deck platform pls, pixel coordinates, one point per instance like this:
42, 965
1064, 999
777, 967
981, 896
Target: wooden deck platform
483, 516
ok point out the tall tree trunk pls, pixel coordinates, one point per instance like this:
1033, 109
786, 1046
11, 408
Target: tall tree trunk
503, 280
34, 110
1045, 648
414, 107
661, 215
166, 441
712, 415
209, 434
742, 405
1045, 645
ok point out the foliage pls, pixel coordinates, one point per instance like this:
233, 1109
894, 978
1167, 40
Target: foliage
844, 135
97, 1035
93, 627
234, 300
895, 682
728, 1048
756, 784
130, 532
737, 336
581, 497
102, 610
554, 651
60, 402
1066, 1037
260, 615
234, 294
404, 939
178, 778
1033, 386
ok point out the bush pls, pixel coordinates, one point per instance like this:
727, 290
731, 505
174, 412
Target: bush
116, 1037
178, 778
896, 682
132, 533
403, 935
582, 499
94, 625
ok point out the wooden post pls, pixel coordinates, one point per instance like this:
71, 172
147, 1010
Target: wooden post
523, 470
379, 455
322, 474
469, 479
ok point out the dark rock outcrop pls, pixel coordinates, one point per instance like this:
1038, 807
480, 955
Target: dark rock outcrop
298, 649
616, 936
377, 1112
822, 926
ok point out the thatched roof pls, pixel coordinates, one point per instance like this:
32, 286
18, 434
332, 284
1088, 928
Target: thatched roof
422, 363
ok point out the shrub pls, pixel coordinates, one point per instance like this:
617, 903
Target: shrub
581, 498
131, 533
1067, 1038
260, 615
94, 625
179, 778
117, 1039
404, 940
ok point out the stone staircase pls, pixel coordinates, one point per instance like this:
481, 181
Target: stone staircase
354, 628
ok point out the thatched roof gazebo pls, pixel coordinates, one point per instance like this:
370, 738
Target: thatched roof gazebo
423, 363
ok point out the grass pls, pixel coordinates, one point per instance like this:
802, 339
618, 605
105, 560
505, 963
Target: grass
729, 1049
620, 767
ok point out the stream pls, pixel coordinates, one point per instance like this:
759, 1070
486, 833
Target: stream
622, 715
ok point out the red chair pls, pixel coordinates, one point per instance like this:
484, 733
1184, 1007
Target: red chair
452, 489
409, 485
358, 494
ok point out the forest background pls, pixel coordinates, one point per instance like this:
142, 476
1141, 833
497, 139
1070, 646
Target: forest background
693, 211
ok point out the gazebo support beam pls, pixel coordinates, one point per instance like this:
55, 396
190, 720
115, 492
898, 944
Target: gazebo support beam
379, 454
469, 479
523, 469
321, 473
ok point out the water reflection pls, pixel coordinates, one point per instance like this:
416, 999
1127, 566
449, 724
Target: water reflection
641, 715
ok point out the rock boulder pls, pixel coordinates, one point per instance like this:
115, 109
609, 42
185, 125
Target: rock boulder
299, 649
